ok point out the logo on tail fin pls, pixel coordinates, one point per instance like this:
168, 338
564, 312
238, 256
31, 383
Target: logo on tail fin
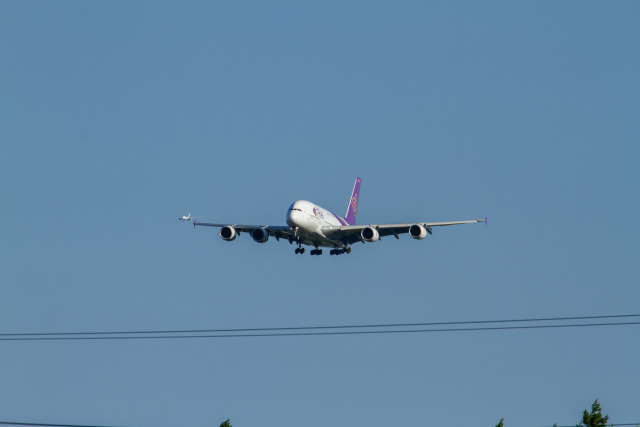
354, 205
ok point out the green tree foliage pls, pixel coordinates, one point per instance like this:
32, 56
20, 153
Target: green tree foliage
226, 424
595, 418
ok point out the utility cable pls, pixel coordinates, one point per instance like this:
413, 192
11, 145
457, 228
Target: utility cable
392, 325
8, 423
291, 334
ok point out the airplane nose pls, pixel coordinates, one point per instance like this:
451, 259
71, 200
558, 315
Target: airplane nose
293, 218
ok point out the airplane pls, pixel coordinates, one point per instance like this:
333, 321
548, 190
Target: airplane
187, 218
311, 225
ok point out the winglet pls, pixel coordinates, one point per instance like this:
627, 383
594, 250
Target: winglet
352, 210
194, 222
485, 221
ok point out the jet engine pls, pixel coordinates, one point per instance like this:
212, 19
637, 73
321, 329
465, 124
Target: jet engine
370, 234
260, 235
228, 233
417, 231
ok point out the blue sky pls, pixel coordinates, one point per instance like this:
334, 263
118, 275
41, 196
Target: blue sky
118, 117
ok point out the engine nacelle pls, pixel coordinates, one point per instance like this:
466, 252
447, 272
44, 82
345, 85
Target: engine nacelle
228, 233
260, 235
370, 234
417, 231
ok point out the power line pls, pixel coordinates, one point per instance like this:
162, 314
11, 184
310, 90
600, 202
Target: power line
292, 334
8, 423
610, 425
292, 328
90, 425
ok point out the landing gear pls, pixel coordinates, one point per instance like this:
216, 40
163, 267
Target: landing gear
340, 251
316, 251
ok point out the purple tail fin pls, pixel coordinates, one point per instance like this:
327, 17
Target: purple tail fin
352, 210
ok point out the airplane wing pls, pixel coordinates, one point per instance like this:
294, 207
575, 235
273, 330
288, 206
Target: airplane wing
277, 231
353, 233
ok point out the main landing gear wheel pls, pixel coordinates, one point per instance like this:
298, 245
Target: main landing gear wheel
299, 250
340, 251
316, 252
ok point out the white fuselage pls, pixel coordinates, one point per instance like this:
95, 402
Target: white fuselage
309, 219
